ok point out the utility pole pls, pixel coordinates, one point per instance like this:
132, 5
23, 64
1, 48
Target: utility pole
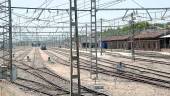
101, 30
62, 38
53, 40
132, 36
68, 44
74, 55
59, 40
10, 38
86, 38
6, 36
93, 43
20, 34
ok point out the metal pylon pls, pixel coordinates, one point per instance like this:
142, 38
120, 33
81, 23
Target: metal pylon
6, 35
93, 42
74, 55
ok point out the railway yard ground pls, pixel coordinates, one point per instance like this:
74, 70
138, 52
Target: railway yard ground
47, 73
84, 48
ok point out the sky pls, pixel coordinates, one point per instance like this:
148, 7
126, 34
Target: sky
101, 14
106, 15
145, 3
124, 4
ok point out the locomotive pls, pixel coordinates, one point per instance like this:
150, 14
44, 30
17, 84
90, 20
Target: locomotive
43, 47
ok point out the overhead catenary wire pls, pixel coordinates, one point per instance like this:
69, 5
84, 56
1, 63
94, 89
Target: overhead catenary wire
48, 19
66, 16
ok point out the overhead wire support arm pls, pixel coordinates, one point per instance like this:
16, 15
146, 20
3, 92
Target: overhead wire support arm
149, 15
54, 26
39, 14
114, 9
164, 14
58, 9
123, 18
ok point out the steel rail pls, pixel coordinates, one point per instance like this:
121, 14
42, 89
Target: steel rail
141, 76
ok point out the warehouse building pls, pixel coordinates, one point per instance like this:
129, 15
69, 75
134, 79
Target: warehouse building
146, 40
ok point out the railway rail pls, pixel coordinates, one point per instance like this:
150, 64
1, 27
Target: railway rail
134, 67
42, 85
58, 85
22, 55
126, 74
140, 59
142, 53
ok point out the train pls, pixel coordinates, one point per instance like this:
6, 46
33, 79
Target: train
36, 44
43, 47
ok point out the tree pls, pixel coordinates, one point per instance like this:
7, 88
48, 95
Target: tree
139, 26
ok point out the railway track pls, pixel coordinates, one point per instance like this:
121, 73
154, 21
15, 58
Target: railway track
134, 67
127, 74
129, 66
143, 53
140, 59
48, 87
22, 55
42, 85
58, 85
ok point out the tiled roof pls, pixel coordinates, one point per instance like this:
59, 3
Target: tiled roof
112, 38
148, 34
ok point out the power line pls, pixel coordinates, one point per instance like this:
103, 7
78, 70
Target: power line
137, 3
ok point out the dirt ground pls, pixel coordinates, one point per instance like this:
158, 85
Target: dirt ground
9, 89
